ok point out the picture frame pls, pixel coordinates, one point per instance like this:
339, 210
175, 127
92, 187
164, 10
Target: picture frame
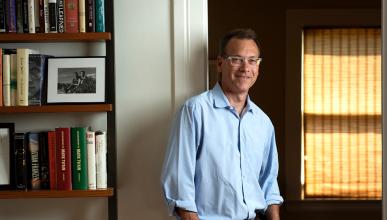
76, 79
7, 131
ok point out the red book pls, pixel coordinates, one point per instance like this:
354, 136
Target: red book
51, 136
71, 16
63, 158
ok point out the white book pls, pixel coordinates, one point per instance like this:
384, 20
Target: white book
46, 17
100, 157
82, 15
6, 80
31, 16
13, 59
22, 59
91, 166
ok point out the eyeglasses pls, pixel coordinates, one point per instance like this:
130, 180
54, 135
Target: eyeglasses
238, 60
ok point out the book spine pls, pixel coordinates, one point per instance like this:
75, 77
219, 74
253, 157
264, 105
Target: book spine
41, 17
19, 16
100, 15
1, 77
33, 161
22, 55
91, 172
3, 27
36, 16
51, 142
100, 157
71, 18
13, 83
20, 161
36, 76
46, 17
25, 16
11, 16
31, 16
79, 158
63, 153
90, 16
61, 16
82, 16
6, 80
43, 161
52, 14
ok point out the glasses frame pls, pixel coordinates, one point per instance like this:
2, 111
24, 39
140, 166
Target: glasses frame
243, 59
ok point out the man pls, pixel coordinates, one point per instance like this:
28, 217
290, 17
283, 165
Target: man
221, 162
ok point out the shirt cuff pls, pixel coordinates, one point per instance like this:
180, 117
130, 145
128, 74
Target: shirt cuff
186, 205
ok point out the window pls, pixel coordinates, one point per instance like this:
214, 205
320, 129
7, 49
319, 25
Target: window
341, 110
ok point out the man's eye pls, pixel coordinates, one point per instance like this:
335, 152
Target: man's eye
236, 60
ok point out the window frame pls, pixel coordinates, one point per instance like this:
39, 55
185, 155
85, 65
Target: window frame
296, 21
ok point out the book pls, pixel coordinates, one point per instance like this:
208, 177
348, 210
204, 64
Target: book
1, 77
79, 158
91, 169
61, 16
13, 72
41, 18
63, 159
31, 16
3, 27
44, 160
90, 16
100, 15
10, 11
25, 16
37, 69
36, 16
33, 171
100, 158
6, 80
52, 15
46, 17
71, 18
82, 15
22, 56
19, 16
20, 164
51, 144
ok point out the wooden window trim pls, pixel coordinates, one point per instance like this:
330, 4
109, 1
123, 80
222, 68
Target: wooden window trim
296, 21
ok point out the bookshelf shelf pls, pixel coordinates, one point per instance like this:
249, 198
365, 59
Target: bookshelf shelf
55, 194
57, 108
54, 37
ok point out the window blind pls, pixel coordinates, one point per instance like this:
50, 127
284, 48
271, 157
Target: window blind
342, 141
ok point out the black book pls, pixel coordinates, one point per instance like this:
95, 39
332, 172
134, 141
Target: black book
44, 162
2, 16
33, 170
52, 15
90, 16
25, 16
61, 16
20, 148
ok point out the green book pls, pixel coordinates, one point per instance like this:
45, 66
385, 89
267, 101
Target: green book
79, 158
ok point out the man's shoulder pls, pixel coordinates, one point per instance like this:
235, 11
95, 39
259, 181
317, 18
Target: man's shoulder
203, 98
259, 113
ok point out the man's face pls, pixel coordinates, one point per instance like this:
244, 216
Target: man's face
238, 79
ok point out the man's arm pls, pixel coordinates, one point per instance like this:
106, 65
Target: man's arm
273, 213
186, 215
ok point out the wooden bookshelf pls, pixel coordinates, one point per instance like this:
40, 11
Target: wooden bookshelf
54, 37
14, 194
58, 108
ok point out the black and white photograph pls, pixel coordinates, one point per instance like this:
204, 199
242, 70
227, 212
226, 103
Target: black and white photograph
6, 141
76, 79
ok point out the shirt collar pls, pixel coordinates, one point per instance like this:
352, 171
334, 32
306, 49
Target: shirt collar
221, 101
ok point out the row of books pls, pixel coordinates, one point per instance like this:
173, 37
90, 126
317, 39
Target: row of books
62, 159
22, 74
52, 16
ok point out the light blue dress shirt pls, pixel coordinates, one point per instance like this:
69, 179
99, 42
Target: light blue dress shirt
218, 164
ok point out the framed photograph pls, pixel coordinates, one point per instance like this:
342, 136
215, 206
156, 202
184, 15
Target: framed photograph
6, 156
76, 79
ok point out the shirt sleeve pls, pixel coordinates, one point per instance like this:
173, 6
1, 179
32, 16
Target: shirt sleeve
177, 178
269, 173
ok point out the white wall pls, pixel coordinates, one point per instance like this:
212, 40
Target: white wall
161, 53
